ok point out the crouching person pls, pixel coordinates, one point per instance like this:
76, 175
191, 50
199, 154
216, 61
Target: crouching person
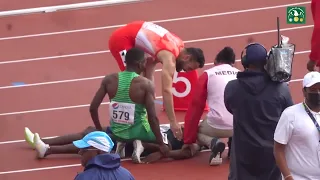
97, 161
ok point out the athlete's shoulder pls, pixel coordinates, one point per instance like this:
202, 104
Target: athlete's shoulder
110, 78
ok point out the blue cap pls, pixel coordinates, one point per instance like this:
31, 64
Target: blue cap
97, 139
256, 53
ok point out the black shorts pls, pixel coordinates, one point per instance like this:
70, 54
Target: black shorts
174, 142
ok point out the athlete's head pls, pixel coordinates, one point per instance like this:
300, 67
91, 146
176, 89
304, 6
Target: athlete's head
135, 60
225, 56
190, 59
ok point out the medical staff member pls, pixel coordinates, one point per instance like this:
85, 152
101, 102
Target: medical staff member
219, 122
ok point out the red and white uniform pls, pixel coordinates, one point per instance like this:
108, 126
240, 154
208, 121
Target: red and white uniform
150, 37
315, 40
210, 88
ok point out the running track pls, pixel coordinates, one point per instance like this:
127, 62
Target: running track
63, 67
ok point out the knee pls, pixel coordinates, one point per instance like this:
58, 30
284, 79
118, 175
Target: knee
88, 130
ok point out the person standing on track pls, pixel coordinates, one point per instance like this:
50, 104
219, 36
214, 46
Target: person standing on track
97, 161
314, 57
218, 123
162, 47
132, 99
297, 141
256, 103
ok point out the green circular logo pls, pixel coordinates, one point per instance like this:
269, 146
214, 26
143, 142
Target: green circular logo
296, 15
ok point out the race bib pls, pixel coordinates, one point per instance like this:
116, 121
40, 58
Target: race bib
164, 138
155, 28
123, 56
122, 113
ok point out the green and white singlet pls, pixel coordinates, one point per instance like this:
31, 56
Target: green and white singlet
128, 119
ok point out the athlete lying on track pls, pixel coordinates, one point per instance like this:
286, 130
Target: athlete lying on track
163, 47
132, 99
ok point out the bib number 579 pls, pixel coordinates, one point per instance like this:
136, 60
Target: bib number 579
120, 115
184, 80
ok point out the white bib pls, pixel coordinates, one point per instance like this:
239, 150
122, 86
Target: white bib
122, 113
164, 138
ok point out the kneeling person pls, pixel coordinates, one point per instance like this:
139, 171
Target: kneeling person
131, 100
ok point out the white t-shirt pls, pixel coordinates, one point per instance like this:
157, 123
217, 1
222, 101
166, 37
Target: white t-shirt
297, 131
218, 77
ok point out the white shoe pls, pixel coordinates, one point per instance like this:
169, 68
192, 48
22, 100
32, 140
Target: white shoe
28, 136
137, 151
121, 149
217, 160
40, 146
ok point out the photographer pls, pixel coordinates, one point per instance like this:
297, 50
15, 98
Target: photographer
256, 103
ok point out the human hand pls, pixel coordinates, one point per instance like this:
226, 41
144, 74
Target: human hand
311, 65
176, 129
194, 148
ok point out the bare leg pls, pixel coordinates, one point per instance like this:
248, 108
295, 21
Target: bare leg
68, 139
59, 145
63, 149
175, 154
151, 147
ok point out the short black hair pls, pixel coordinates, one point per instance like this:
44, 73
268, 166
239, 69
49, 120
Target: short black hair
226, 55
134, 55
197, 55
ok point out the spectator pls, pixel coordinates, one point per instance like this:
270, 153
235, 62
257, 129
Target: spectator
297, 134
256, 103
314, 57
218, 123
98, 163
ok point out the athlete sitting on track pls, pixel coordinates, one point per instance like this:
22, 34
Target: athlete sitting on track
162, 46
132, 98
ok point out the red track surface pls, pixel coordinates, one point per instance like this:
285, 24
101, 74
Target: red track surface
17, 156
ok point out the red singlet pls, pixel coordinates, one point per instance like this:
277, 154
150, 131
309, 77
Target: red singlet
145, 35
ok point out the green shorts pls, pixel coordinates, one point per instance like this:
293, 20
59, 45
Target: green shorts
134, 134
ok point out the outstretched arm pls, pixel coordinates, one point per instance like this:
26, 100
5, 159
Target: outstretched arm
151, 111
168, 70
195, 110
96, 101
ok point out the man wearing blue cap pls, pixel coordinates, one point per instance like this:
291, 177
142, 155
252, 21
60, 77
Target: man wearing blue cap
256, 103
97, 161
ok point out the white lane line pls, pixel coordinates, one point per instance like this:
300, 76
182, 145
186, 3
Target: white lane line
189, 41
95, 77
18, 141
65, 166
158, 21
22, 140
56, 108
73, 107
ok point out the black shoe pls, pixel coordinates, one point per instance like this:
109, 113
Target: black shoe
217, 148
